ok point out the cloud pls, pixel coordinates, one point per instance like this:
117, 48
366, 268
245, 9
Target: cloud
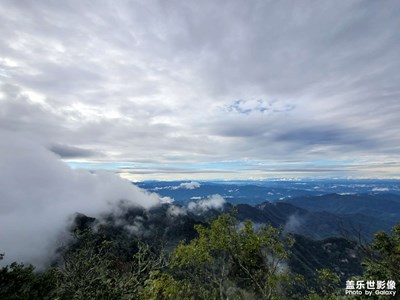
258, 106
189, 185
40, 193
266, 80
66, 151
197, 207
293, 223
380, 189
175, 211
211, 202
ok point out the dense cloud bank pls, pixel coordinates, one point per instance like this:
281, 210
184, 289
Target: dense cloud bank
160, 83
39, 194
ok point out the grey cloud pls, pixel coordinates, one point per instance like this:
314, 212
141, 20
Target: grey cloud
327, 135
168, 170
59, 79
67, 151
244, 130
19, 113
148, 80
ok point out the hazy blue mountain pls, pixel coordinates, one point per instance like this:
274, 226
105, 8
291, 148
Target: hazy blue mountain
380, 206
316, 225
256, 192
315, 208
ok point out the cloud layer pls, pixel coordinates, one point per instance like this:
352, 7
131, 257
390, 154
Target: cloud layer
39, 194
194, 82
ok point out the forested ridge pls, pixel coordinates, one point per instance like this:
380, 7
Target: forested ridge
218, 257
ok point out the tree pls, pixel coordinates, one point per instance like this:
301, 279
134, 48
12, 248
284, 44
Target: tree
328, 288
383, 261
94, 271
163, 286
18, 281
234, 260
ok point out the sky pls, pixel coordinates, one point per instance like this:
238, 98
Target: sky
202, 90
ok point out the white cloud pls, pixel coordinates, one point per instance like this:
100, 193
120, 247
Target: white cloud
211, 202
175, 211
293, 223
380, 189
189, 185
167, 200
39, 193
197, 207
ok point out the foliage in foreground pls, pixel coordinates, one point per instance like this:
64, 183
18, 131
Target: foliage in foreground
234, 260
227, 260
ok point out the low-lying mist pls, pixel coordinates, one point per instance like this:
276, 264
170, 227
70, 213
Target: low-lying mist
39, 194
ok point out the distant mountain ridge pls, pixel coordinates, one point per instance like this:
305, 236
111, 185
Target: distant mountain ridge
256, 192
313, 224
315, 208
380, 206
315, 217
